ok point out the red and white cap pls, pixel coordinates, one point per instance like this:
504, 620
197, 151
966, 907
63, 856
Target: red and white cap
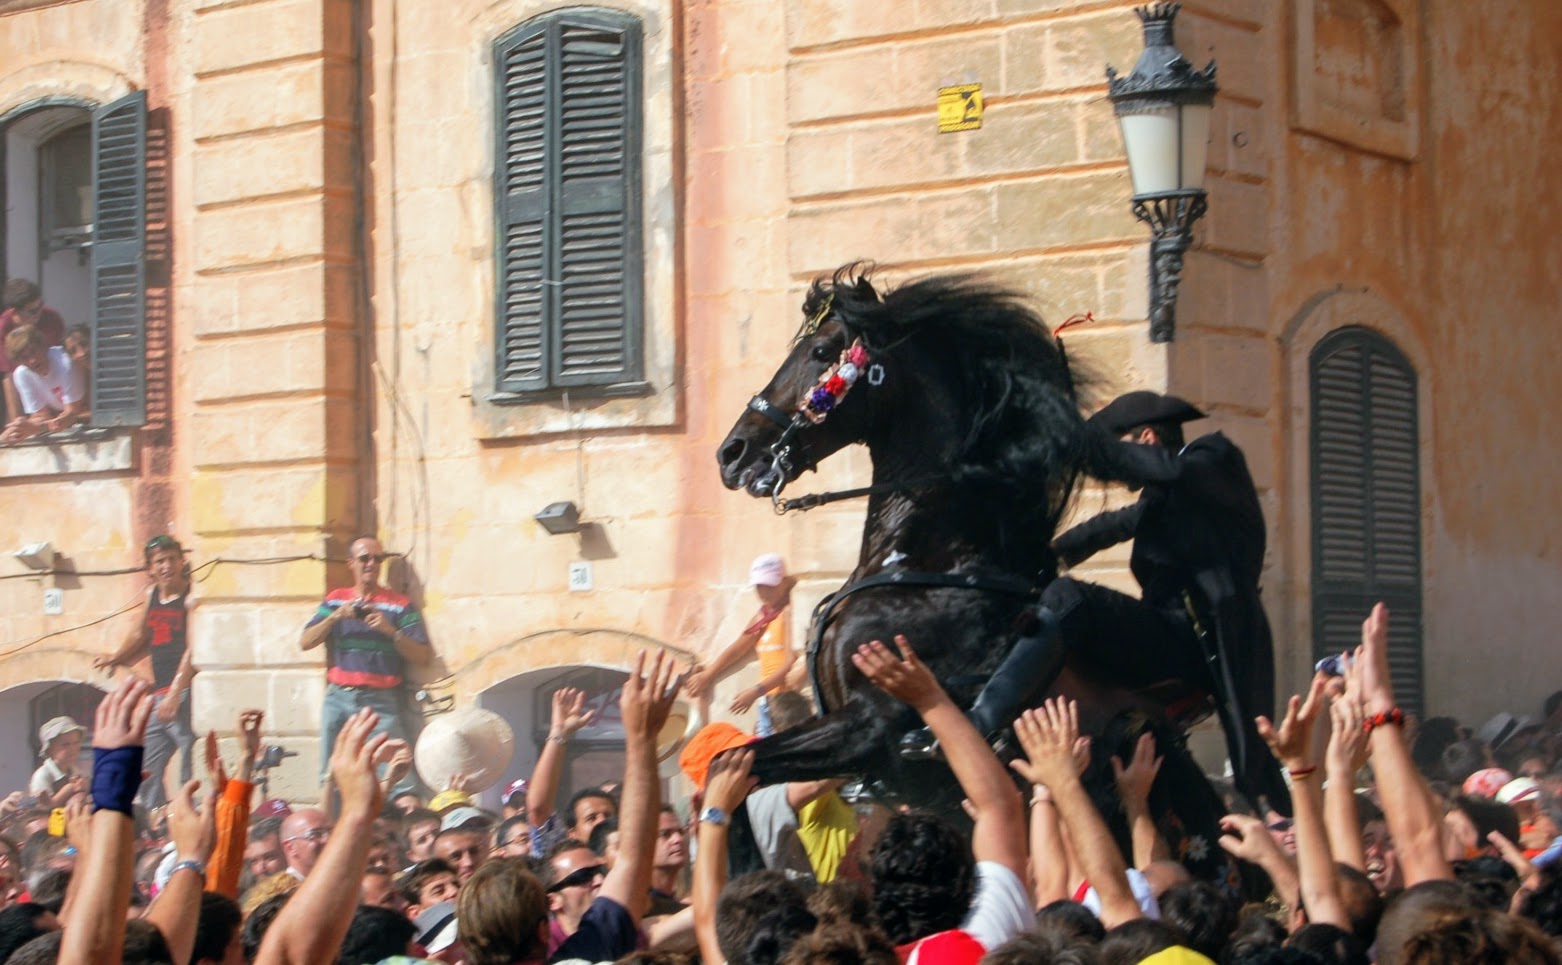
768, 569
1519, 789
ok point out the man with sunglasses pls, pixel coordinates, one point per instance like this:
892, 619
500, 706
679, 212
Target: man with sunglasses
370, 633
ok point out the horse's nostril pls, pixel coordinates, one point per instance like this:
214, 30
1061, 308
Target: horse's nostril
733, 451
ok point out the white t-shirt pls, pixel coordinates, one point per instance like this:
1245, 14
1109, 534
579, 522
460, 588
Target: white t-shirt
1000, 910
774, 822
63, 385
50, 774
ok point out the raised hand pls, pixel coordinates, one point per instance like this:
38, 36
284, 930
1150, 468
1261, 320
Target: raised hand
194, 833
78, 825
122, 716
906, 678
1244, 836
744, 700
215, 771
569, 712
396, 757
1348, 745
1133, 781
352, 764
728, 782
1371, 664
648, 694
249, 738
1049, 735
1291, 743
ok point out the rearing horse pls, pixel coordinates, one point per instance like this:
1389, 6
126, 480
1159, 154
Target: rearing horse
966, 405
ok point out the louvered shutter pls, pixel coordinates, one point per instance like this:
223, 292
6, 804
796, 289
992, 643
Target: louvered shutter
1366, 500
119, 262
570, 263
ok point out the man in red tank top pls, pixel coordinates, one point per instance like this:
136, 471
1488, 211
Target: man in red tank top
161, 638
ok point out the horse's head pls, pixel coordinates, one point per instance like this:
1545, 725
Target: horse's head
820, 400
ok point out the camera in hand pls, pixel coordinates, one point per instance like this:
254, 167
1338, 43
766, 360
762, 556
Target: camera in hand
273, 755
361, 610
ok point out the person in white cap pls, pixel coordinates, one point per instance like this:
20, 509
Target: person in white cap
63, 772
767, 636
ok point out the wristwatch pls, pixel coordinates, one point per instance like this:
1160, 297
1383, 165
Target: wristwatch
192, 864
713, 815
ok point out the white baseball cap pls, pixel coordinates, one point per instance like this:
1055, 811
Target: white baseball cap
768, 569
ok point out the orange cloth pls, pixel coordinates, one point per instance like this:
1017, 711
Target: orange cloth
227, 861
703, 747
774, 647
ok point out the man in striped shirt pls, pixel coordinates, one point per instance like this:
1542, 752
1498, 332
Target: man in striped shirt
370, 633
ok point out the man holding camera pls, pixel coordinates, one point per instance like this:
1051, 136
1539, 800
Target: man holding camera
370, 633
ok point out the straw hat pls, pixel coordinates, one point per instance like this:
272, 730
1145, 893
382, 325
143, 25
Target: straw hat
474, 742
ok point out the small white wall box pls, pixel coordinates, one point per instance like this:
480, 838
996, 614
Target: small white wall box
580, 577
37, 556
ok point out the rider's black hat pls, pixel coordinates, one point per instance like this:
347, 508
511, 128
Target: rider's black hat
1143, 408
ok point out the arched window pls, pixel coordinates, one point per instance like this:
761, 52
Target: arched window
1366, 499
567, 189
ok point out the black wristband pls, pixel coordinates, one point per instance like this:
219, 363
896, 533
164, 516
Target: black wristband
116, 777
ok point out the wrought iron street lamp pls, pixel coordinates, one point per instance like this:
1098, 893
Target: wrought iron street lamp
1163, 108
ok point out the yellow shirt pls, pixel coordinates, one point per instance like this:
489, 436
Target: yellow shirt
774, 646
826, 826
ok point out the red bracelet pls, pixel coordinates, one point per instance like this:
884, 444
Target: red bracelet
1394, 716
1297, 773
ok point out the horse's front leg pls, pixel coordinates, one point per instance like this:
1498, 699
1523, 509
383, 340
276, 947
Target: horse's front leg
849, 742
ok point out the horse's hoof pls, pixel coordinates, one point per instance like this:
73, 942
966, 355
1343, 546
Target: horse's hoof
920, 745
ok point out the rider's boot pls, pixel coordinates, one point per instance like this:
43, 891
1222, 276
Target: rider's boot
1031, 666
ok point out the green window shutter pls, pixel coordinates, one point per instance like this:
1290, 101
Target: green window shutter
570, 305
118, 262
1366, 500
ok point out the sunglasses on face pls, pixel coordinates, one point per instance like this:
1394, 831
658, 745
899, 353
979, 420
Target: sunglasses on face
579, 878
368, 559
318, 834
1281, 826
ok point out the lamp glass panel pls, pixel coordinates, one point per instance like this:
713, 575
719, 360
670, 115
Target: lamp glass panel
1151, 139
1195, 144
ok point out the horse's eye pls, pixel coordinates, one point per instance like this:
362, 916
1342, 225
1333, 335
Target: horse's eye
824, 352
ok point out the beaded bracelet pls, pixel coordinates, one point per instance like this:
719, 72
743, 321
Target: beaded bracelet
1393, 716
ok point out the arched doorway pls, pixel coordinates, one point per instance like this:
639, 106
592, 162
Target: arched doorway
525, 701
26, 707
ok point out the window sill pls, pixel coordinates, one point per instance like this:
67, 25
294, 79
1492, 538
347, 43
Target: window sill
628, 405
71, 453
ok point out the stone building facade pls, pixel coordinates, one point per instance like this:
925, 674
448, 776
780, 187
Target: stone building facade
325, 250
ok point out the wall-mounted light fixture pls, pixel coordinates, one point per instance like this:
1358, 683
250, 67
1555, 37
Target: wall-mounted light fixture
559, 518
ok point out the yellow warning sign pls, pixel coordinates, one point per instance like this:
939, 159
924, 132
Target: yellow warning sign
959, 108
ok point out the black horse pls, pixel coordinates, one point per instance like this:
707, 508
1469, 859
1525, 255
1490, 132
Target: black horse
967, 406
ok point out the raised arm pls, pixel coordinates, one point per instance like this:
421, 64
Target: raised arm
233, 805
1407, 802
311, 926
569, 715
704, 676
999, 834
1291, 743
1048, 855
1050, 738
1244, 836
177, 909
133, 648
1346, 754
1133, 788
1095, 534
646, 700
727, 783
320, 626
95, 922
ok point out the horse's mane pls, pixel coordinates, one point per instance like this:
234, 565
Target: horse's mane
1025, 429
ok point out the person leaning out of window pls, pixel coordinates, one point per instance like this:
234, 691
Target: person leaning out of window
52, 391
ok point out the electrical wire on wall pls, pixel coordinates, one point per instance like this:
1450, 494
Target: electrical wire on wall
196, 576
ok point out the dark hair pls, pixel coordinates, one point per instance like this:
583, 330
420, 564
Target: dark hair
1070, 920
648, 957
43, 950
598, 840
1363, 904
1203, 913
1169, 434
1138, 939
1488, 816
1433, 737
47, 887
1413, 910
415, 817
841, 944
19, 292
1256, 934
1043, 948
759, 916
924, 877
39, 848
1331, 943
583, 794
375, 934
505, 826
19, 925
498, 913
145, 945
414, 878
263, 828
161, 541
1461, 759
1478, 937
842, 902
220, 918
788, 708
1367, 809
259, 921
1543, 904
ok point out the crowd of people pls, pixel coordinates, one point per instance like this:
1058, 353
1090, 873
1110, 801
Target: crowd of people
44, 366
1409, 842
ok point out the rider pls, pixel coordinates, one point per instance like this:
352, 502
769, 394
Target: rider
1198, 533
